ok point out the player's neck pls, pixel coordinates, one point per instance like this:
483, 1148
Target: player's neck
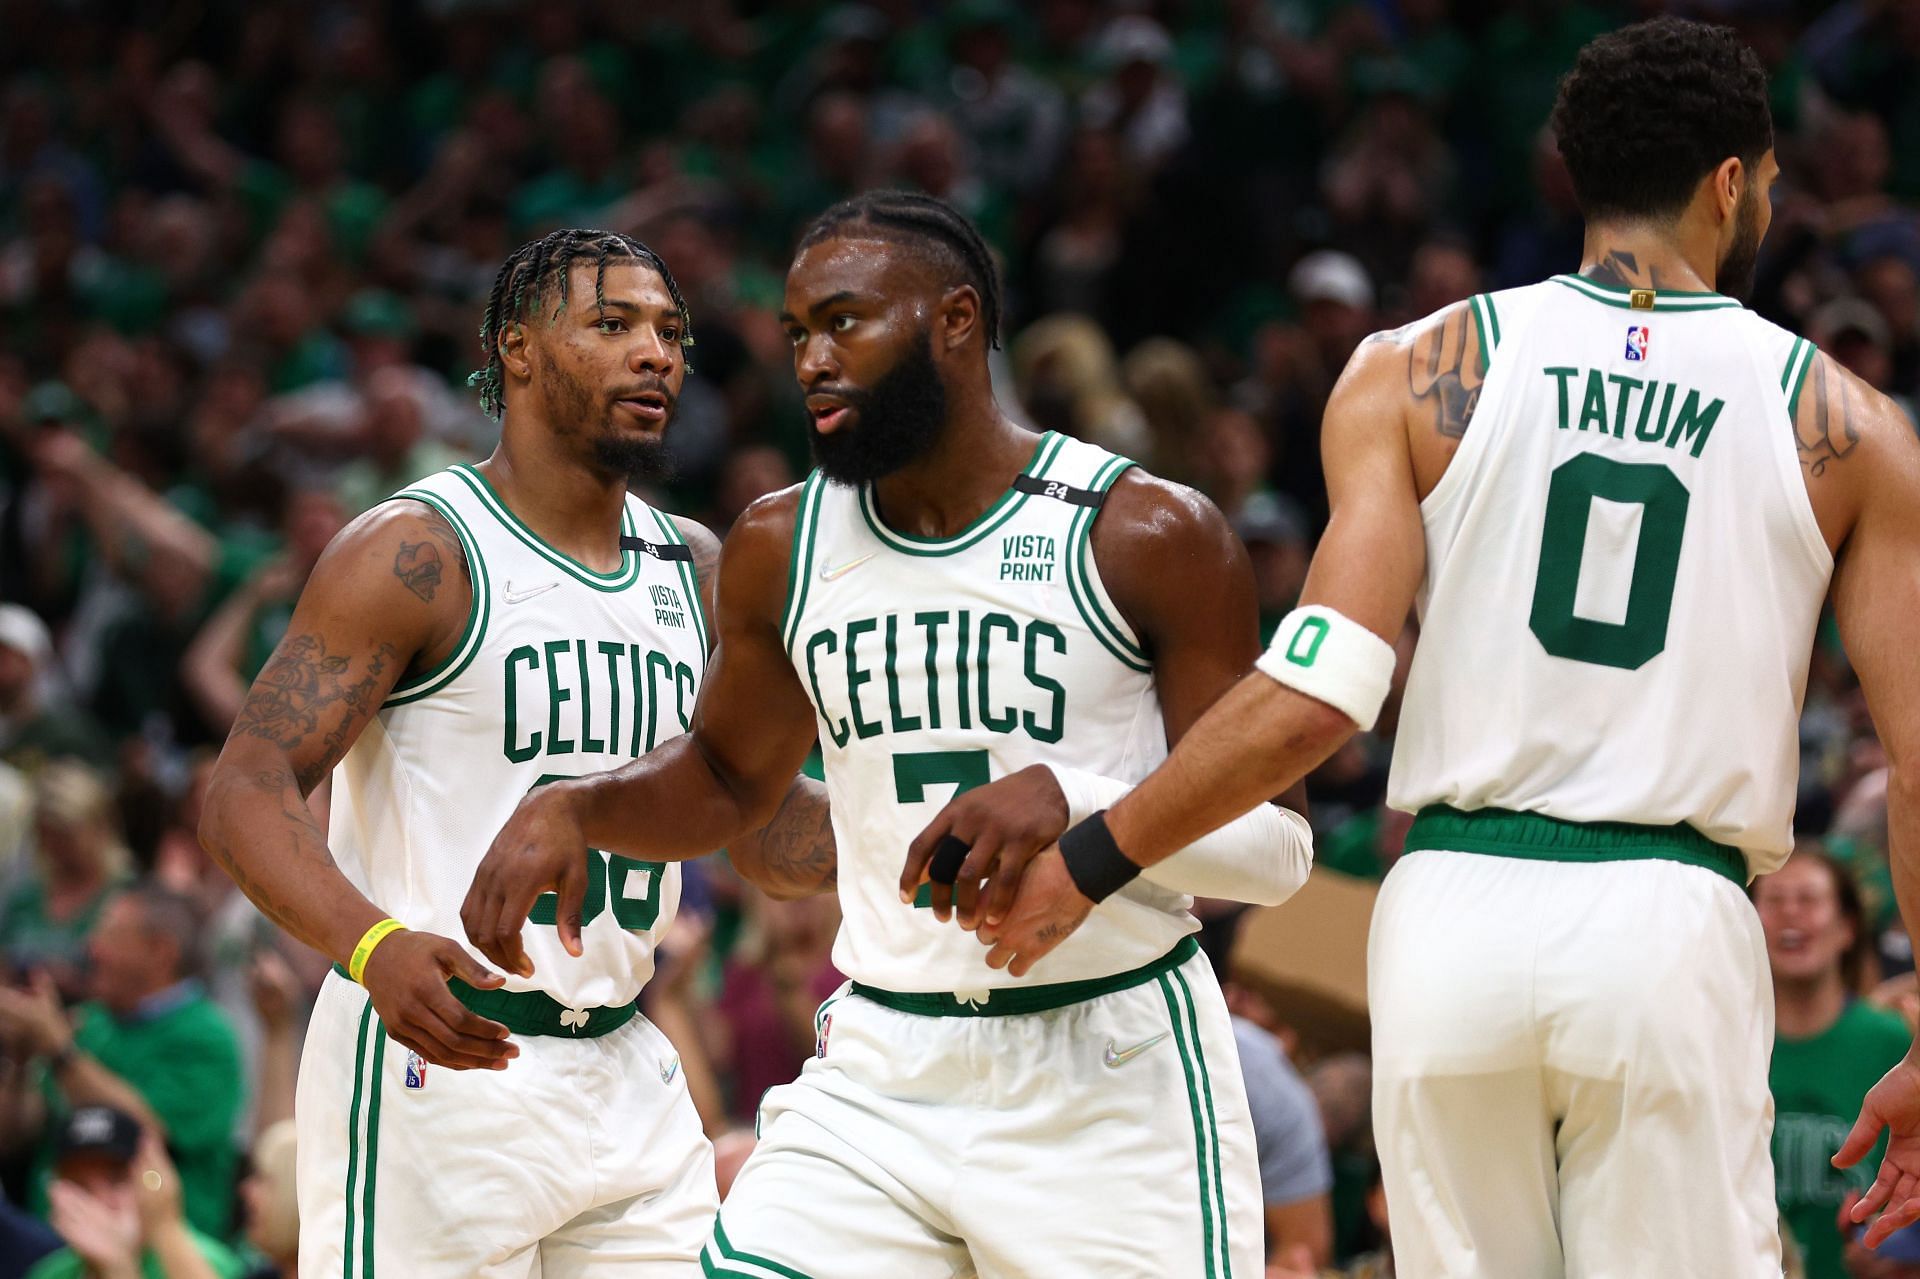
1643, 256
573, 509
1805, 1008
978, 454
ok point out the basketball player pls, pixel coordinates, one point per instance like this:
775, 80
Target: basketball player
1617, 497
490, 628
949, 599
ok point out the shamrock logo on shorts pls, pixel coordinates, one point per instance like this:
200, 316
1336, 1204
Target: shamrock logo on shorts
573, 1019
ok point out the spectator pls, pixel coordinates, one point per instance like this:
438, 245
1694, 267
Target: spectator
36, 722
80, 862
1067, 379
269, 1205
1295, 1175
1830, 1046
149, 1043
116, 1203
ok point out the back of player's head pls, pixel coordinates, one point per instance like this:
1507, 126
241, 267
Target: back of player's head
930, 227
1651, 109
542, 268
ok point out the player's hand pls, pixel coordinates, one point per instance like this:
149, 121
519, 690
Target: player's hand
406, 978
1893, 1104
1004, 823
1048, 907
540, 849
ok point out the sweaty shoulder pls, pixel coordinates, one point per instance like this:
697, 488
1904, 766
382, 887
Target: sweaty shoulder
756, 558
1162, 545
1850, 438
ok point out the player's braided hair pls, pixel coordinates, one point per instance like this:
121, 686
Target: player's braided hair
1651, 109
934, 228
542, 267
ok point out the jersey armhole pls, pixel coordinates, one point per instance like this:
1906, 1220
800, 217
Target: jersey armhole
1486, 324
1097, 608
479, 608
806, 521
1793, 377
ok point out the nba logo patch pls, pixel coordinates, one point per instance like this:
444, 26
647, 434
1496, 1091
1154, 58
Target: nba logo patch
416, 1070
1638, 336
820, 1036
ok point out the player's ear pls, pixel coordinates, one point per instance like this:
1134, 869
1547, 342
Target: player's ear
959, 316
514, 356
1728, 181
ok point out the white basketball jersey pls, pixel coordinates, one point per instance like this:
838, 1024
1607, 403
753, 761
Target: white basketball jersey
938, 666
561, 671
1623, 573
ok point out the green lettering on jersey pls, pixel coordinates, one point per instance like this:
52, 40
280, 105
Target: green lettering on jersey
613, 650
1625, 386
1056, 723
1593, 410
965, 621
988, 625
857, 675
1659, 431
517, 753
899, 720
656, 661
827, 640
556, 744
1560, 376
589, 744
1694, 424
933, 622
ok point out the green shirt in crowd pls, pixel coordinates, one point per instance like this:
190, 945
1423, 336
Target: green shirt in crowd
180, 1054
66, 1263
1818, 1084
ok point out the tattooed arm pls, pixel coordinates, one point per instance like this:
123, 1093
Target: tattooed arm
389, 595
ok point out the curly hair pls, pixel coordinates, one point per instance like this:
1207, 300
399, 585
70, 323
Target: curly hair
1651, 109
542, 267
932, 227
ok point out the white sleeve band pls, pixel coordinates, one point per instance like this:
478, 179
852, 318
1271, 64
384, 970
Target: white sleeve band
1260, 857
1332, 659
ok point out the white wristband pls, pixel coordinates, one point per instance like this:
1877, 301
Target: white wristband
1332, 659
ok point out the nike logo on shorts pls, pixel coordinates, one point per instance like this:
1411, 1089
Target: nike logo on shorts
512, 596
834, 574
1120, 1057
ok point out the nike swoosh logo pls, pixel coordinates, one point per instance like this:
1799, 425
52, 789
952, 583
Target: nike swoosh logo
512, 596
834, 574
1118, 1057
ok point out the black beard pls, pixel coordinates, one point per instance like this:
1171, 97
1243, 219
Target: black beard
1735, 276
639, 458
896, 421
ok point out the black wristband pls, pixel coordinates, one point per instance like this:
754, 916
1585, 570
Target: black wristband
1098, 867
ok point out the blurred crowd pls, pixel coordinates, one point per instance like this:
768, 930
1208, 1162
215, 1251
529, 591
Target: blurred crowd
244, 246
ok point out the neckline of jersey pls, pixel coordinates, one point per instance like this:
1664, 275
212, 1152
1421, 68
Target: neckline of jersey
1663, 299
617, 579
982, 524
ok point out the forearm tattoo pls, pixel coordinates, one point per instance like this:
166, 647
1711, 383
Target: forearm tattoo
797, 848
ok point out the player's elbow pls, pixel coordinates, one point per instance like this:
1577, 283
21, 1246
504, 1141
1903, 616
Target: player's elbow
1292, 858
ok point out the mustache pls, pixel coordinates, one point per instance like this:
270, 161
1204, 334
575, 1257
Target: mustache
646, 386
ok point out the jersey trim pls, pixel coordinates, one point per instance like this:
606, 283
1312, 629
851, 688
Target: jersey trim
1018, 1001
731, 1260
688, 582
1486, 323
1114, 636
980, 526
365, 1083
1206, 1132
1501, 832
800, 560
1654, 299
1794, 375
618, 580
479, 610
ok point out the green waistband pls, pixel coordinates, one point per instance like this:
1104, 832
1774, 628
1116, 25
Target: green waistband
1504, 833
1012, 1001
534, 1012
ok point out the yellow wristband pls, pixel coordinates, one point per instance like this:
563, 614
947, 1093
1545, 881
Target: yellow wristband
357, 966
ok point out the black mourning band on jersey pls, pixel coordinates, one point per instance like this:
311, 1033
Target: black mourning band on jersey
660, 551
1098, 867
948, 855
